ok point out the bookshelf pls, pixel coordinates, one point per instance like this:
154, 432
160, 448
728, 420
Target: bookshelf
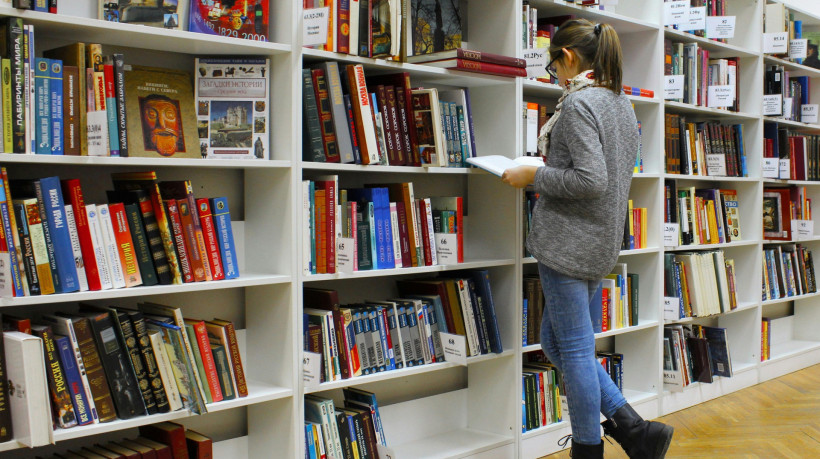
441, 410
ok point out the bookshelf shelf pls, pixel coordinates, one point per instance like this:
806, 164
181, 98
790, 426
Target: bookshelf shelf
535, 88
622, 23
625, 253
710, 178
642, 325
640, 100
725, 245
742, 306
791, 298
143, 162
724, 115
402, 271
335, 167
798, 125
789, 349
716, 48
455, 443
794, 68
545, 429
646, 175
791, 182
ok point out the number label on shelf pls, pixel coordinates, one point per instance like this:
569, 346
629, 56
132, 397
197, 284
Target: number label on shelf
314, 26
673, 86
776, 43
447, 248
802, 230
696, 19
772, 104
721, 96
6, 285
720, 27
798, 48
785, 169
671, 308
455, 348
311, 369
536, 62
770, 168
671, 234
675, 12
808, 113
345, 254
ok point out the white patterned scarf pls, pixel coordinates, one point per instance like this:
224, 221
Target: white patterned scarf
581, 81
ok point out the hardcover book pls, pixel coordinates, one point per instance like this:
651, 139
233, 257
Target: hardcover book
28, 389
62, 409
436, 26
232, 107
168, 14
160, 112
73, 379
246, 19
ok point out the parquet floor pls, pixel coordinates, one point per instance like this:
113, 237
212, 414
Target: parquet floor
776, 419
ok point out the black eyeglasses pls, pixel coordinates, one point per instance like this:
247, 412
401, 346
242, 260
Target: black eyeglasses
551, 68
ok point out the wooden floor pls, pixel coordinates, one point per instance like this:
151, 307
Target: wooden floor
775, 419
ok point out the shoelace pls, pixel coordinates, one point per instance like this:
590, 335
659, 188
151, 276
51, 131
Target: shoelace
564, 440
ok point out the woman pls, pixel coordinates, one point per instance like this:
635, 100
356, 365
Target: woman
590, 144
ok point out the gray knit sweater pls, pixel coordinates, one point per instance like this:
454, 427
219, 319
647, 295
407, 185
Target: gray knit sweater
578, 221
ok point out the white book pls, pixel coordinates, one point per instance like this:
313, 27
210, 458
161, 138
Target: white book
109, 243
99, 249
64, 326
431, 236
469, 319
75, 247
166, 373
306, 257
354, 27
334, 427
532, 130
28, 389
497, 164
394, 222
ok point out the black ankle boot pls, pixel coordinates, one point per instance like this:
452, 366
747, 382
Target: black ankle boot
579, 451
640, 439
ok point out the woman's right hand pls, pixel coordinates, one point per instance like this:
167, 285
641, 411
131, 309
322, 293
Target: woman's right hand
520, 176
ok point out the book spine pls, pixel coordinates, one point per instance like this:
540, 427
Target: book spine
490, 58
360, 99
125, 245
42, 115
165, 233
224, 236
166, 371
62, 410
18, 79
73, 380
109, 93
323, 104
5, 67
196, 363
211, 374
27, 251
155, 242
312, 148
236, 361
12, 238
55, 217
97, 380
179, 240
141, 247
223, 371
117, 366
336, 107
209, 236
98, 246
129, 339
72, 189
152, 371
56, 99
119, 93
354, 138
109, 246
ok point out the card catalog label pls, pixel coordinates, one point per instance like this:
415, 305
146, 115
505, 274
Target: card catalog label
447, 248
673, 86
6, 282
97, 138
802, 230
314, 26
311, 369
697, 19
536, 62
808, 113
720, 27
672, 380
671, 308
345, 254
785, 169
776, 43
455, 348
772, 104
721, 96
716, 165
671, 234
675, 12
770, 168
798, 48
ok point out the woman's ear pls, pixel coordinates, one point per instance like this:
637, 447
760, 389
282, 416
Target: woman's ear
569, 58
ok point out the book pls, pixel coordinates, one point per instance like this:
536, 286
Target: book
183, 372
163, 451
434, 27
223, 370
479, 67
429, 131
28, 389
497, 164
62, 409
182, 191
362, 114
109, 246
128, 339
170, 14
149, 360
50, 197
169, 433
209, 238
27, 251
125, 245
166, 372
75, 247
199, 446
203, 346
471, 55
233, 116
74, 383
142, 248
246, 19
161, 114
223, 332
224, 237
181, 243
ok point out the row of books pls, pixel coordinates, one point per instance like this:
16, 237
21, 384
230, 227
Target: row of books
383, 119
765, 339
538, 33
104, 363
694, 353
535, 117
383, 335
620, 304
788, 270
700, 73
703, 148
45, 6
778, 19
705, 215
704, 282
380, 226
349, 432
543, 396
781, 205
635, 228
794, 92
474, 61
149, 233
374, 28
613, 364
710, 8
798, 154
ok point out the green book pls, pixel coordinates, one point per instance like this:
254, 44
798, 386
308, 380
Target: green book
223, 370
200, 368
632, 278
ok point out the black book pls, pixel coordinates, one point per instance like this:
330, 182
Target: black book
359, 428
117, 366
6, 432
346, 435
145, 260
62, 410
129, 338
312, 147
27, 251
11, 30
119, 92
223, 372
149, 359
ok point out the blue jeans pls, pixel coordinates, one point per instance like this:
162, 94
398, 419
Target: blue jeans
568, 340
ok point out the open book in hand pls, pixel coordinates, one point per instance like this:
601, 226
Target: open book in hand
497, 164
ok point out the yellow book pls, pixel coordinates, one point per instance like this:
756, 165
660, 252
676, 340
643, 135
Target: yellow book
7, 125
616, 303
643, 227
630, 218
712, 219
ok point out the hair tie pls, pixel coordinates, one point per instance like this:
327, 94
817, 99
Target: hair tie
597, 29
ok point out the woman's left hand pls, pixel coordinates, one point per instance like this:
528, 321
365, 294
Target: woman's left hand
520, 176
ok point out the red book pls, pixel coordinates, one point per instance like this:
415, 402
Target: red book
125, 245
470, 55
199, 446
74, 195
183, 191
343, 32
146, 451
425, 234
162, 450
325, 116
543, 397
320, 212
123, 451
404, 238
404, 104
170, 433
16, 324
207, 358
179, 239
329, 186
480, 67
195, 260
235, 357
209, 234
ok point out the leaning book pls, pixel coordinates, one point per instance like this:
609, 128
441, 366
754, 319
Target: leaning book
232, 107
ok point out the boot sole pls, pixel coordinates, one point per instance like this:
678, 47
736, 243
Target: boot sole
663, 445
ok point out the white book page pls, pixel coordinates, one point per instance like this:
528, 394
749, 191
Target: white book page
497, 164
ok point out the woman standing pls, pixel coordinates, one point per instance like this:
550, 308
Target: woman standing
590, 145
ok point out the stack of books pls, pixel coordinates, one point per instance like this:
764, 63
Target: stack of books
706, 216
474, 61
788, 270
349, 432
704, 282
694, 353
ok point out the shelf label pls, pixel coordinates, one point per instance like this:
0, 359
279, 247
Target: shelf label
97, 138
385, 452
311, 369
720, 27
675, 12
696, 20
770, 168
785, 169
345, 253
808, 113
776, 43
802, 230
716, 165
672, 380
314, 26
6, 285
721, 96
455, 348
447, 248
671, 234
798, 48
671, 308
673, 86
536, 62
772, 104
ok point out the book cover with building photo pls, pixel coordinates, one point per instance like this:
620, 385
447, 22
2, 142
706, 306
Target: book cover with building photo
232, 107
168, 14
159, 105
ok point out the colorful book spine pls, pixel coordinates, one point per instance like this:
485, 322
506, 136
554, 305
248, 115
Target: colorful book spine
73, 379
27, 250
42, 122
56, 99
141, 245
12, 244
125, 245
224, 236
111, 109
119, 92
5, 68
75, 247
67, 280
209, 236
71, 110
109, 245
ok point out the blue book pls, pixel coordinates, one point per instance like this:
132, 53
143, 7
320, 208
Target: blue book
41, 5
481, 278
366, 198
389, 354
111, 111
56, 96
48, 191
433, 338
13, 261
743, 171
524, 398
310, 443
797, 27
383, 201
679, 291
224, 236
42, 120
65, 353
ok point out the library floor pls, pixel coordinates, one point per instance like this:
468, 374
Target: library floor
776, 419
